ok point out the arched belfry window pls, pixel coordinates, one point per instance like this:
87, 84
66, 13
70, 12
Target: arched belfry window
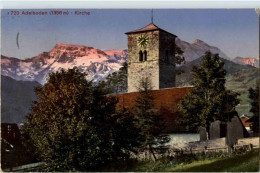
140, 55
145, 55
167, 56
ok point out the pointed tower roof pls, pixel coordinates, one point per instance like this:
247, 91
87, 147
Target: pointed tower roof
150, 27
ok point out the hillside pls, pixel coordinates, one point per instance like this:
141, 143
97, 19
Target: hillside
240, 82
17, 97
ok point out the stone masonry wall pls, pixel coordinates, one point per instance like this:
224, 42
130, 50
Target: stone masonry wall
149, 68
160, 71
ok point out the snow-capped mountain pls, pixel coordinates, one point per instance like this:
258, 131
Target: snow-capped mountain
197, 49
97, 63
247, 61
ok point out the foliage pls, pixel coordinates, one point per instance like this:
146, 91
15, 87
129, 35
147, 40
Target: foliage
208, 100
149, 121
254, 100
179, 59
117, 81
126, 136
74, 126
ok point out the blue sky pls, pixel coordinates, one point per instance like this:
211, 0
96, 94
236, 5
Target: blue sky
235, 32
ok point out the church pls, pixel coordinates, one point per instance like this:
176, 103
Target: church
151, 55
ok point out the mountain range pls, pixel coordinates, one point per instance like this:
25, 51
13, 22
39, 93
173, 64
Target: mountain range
97, 63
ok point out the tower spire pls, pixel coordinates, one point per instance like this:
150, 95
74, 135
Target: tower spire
152, 16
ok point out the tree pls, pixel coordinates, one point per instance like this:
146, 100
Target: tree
148, 120
124, 136
127, 136
179, 59
73, 125
254, 100
117, 81
208, 100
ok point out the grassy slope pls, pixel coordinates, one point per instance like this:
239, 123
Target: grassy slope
248, 162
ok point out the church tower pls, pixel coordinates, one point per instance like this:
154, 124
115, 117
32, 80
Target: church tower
151, 54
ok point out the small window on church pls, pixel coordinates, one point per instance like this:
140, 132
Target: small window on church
140, 56
145, 55
167, 56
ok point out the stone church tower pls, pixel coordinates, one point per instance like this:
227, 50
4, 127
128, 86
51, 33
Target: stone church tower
151, 54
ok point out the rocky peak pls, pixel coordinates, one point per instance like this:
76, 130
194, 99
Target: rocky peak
247, 61
200, 42
68, 46
197, 49
117, 54
71, 51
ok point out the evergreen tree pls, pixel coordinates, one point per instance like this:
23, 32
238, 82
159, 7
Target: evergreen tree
208, 100
149, 121
117, 81
179, 59
73, 126
254, 100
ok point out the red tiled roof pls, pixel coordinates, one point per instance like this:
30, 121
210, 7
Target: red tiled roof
165, 101
150, 27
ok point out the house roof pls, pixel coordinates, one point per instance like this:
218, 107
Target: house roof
165, 101
150, 27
